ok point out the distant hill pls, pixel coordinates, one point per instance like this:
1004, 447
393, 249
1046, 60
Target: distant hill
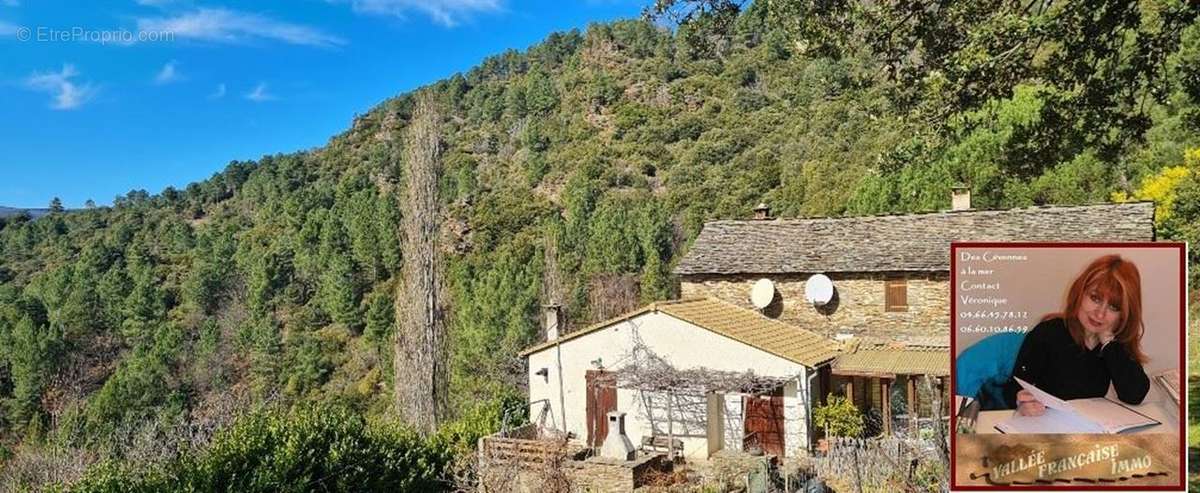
6, 212
577, 171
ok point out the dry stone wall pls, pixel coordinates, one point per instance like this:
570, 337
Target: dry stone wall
858, 306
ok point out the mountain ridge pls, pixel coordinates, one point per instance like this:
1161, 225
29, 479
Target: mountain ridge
33, 212
576, 171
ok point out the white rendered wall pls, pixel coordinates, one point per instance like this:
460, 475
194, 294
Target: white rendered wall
735, 424
683, 345
795, 418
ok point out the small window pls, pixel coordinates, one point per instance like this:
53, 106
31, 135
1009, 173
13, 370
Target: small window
895, 295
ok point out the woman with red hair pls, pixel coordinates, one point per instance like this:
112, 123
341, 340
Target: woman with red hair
1095, 341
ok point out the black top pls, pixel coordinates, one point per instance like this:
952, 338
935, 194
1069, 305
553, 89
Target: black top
1051, 360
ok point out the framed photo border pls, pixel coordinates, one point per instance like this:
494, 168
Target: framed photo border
1181, 252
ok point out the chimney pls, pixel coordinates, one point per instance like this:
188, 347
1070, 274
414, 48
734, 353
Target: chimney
762, 212
960, 198
616, 443
552, 321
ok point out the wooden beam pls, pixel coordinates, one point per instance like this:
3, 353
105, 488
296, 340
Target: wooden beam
869, 374
877, 391
885, 394
670, 428
825, 375
911, 390
945, 396
850, 390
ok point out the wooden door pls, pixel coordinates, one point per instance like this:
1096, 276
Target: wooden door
764, 422
601, 399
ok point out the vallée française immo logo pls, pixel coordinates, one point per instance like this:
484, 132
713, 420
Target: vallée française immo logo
1067, 462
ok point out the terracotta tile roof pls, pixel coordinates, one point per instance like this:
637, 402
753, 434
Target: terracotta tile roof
781, 339
587, 330
890, 359
737, 323
911, 242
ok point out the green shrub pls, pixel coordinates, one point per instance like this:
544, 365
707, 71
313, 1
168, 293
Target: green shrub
317, 449
839, 417
484, 418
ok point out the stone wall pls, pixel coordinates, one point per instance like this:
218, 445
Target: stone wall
600, 475
596, 476
857, 308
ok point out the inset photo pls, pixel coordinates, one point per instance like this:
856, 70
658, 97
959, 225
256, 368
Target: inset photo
1067, 364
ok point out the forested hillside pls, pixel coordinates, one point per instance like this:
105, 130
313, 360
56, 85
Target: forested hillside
576, 171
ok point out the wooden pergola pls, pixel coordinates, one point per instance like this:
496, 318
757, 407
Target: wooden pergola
886, 362
644, 370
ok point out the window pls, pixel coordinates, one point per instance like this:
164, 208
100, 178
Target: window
895, 295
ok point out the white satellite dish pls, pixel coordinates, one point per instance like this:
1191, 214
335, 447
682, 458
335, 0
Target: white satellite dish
762, 293
818, 289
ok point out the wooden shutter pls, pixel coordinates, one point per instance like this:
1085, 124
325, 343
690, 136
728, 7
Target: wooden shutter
895, 295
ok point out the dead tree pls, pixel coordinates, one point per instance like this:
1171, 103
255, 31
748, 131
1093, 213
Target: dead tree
420, 353
610, 295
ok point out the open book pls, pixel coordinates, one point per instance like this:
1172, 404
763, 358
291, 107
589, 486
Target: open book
1169, 381
1094, 415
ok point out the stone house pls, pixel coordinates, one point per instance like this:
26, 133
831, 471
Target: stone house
891, 277
882, 340
702, 372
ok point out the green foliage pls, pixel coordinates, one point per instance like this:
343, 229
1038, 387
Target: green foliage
340, 292
33, 350
497, 302
143, 385
839, 417
967, 52
1162, 189
318, 449
461, 437
540, 95
211, 274
381, 315
929, 476
312, 448
1183, 219
145, 306
603, 151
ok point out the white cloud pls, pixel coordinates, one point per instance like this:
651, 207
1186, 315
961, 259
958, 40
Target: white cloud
231, 26
67, 94
168, 74
260, 94
219, 93
448, 13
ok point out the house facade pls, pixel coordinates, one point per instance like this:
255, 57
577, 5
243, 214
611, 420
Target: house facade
891, 278
726, 376
732, 375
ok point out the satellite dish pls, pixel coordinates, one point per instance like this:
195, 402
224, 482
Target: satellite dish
818, 289
762, 293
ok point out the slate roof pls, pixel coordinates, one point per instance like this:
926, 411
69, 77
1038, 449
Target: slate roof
740, 324
891, 359
910, 242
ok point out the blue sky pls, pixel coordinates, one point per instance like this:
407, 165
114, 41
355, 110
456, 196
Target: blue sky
102, 97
